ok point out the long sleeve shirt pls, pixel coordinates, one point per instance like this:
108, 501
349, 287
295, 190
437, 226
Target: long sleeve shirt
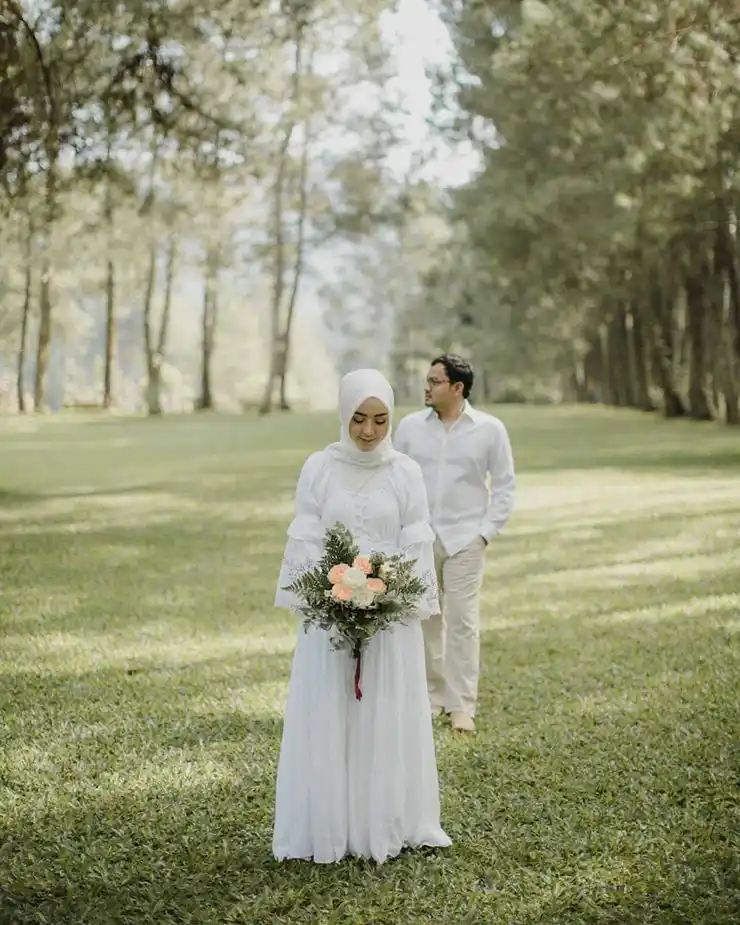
468, 471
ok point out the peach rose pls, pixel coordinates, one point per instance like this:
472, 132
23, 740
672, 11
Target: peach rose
363, 563
376, 585
337, 573
341, 592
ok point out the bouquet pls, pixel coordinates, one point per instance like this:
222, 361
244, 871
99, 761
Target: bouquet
353, 596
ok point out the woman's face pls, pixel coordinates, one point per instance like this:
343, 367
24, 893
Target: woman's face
369, 424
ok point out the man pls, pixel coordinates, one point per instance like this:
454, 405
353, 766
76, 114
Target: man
468, 468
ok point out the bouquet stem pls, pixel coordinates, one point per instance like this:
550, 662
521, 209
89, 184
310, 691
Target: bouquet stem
358, 668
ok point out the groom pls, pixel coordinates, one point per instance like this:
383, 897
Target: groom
468, 468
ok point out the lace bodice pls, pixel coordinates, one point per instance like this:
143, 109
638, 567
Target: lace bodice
386, 510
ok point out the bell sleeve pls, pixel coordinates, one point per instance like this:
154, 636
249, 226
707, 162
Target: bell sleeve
305, 543
416, 539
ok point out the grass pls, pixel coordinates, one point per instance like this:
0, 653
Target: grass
143, 671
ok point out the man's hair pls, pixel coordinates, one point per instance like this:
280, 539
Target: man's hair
457, 369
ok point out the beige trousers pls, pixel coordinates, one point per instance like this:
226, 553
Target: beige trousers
452, 638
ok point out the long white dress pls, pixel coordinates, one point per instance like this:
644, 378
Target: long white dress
358, 777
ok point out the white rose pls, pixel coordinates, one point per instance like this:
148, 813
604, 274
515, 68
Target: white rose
362, 597
354, 578
537, 13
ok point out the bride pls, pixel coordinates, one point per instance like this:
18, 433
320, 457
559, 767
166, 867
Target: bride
359, 777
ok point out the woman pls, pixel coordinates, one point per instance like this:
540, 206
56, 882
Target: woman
359, 777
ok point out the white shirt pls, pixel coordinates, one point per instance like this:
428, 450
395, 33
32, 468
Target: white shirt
468, 471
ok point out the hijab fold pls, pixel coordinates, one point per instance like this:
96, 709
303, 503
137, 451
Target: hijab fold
354, 389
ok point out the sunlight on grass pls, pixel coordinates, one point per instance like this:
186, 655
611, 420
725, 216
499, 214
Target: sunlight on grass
79, 515
691, 607
73, 652
82, 514
687, 569
612, 496
168, 775
143, 676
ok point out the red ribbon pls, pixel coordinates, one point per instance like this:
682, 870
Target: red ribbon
358, 668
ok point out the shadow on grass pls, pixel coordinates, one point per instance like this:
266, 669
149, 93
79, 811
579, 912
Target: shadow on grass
576, 437
602, 782
59, 556
168, 720
17, 498
633, 459
157, 855
211, 486
599, 789
616, 545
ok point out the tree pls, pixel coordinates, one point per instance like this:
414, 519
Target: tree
605, 206
240, 103
310, 159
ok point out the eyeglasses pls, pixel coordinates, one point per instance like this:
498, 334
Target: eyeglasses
434, 382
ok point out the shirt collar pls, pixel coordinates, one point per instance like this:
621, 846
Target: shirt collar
468, 410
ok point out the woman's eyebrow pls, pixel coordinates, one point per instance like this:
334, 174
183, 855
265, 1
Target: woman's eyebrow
361, 414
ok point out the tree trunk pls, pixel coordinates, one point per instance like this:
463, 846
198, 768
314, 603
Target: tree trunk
659, 319
205, 401
696, 312
51, 151
110, 316
278, 283
673, 405
716, 377
577, 388
297, 264
110, 329
482, 383
152, 361
44, 340
735, 303
593, 372
278, 355
285, 336
608, 396
729, 335
619, 365
208, 327
155, 379
154, 390
20, 377
729, 382
573, 384
640, 360
715, 299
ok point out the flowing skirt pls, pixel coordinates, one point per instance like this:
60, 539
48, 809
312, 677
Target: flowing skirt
357, 777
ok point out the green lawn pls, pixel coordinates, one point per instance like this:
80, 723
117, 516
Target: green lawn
143, 671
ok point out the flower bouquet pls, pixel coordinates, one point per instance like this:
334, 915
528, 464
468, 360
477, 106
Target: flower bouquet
353, 596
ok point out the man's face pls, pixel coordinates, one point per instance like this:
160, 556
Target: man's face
439, 392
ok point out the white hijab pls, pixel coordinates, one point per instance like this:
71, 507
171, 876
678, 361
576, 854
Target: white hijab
354, 389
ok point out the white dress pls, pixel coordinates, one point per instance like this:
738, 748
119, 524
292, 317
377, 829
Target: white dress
358, 777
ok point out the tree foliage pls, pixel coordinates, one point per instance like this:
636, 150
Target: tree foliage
600, 235
149, 145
